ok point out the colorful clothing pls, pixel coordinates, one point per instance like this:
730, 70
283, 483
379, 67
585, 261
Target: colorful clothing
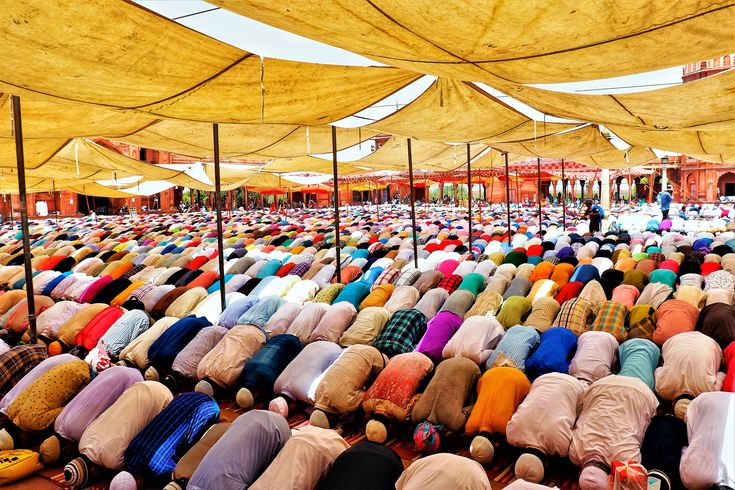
401, 333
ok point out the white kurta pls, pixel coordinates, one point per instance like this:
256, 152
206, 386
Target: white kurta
709, 460
691, 366
545, 419
616, 411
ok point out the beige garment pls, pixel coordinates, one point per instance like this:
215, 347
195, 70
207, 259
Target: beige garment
105, 440
692, 295
691, 366
545, 419
403, 298
303, 461
366, 327
525, 271
543, 313
593, 293
282, 318
136, 352
185, 304
718, 295
475, 339
615, 413
498, 283
344, 384
224, 363
486, 302
444, 471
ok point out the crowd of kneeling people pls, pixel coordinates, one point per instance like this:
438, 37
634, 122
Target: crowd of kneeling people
599, 349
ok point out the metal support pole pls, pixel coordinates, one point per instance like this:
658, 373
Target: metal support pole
469, 195
563, 197
538, 191
336, 204
507, 192
413, 205
56, 202
218, 207
20, 160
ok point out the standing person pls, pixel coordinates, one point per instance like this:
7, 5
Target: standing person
594, 215
664, 198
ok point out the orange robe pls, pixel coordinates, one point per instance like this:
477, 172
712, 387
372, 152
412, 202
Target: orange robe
500, 391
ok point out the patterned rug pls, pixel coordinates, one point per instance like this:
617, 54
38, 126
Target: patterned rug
561, 472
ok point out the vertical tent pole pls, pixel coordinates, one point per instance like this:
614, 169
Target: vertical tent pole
469, 195
563, 197
538, 191
56, 202
20, 160
336, 204
413, 205
377, 199
12, 212
507, 191
218, 207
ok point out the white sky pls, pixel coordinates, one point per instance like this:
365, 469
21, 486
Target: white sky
270, 42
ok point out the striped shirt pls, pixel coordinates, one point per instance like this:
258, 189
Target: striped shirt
158, 447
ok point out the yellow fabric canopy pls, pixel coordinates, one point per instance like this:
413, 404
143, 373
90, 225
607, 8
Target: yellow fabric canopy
530, 130
452, 111
533, 41
46, 117
687, 142
632, 157
494, 158
705, 104
256, 141
119, 55
571, 144
80, 161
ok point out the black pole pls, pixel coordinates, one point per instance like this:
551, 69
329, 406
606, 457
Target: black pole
413, 205
538, 191
336, 204
469, 194
218, 207
507, 191
20, 160
563, 197
56, 202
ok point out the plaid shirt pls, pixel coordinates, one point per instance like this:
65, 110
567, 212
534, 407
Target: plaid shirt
575, 315
158, 447
401, 333
388, 276
15, 363
408, 277
300, 269
611, 318
451, 283
642, 320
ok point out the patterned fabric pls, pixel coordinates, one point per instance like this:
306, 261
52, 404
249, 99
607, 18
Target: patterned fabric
401, 333
611, 318
514, 348
642, 322
575, 315
15, 363
388, 276
408, 277
158, 447
300, 269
